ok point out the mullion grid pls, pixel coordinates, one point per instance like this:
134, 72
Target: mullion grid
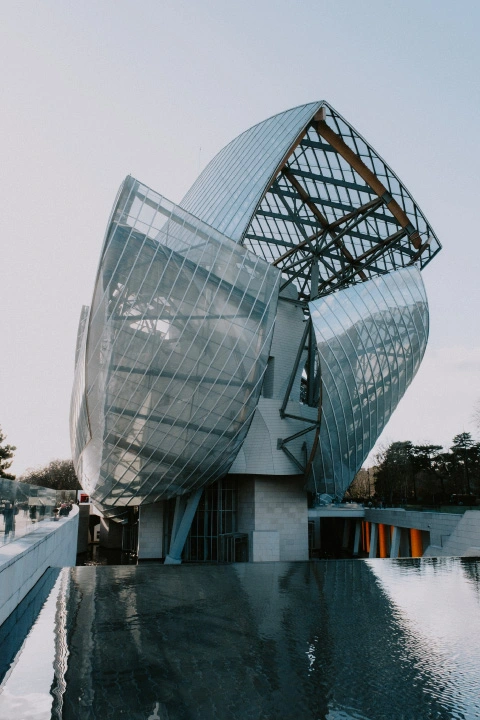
332, 199
394, 187
232, 400
123, 462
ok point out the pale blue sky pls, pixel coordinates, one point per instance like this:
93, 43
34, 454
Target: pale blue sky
93, 91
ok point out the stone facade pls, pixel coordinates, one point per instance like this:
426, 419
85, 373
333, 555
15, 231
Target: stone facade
464, 540
274, 512
150, 532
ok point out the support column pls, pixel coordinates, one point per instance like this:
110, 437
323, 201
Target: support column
366, 528
416, 542
346, 533
395, 545
183, 525
356, 541
180, 505
373, 541
317, 541
382, 540
404, 542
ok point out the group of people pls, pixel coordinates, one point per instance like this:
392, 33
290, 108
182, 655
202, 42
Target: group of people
10, 510
63, 510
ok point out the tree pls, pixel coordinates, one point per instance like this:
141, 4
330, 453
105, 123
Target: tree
6, 453
466, 463
58, 474
394, 479
408, 472
362, 487
427, 473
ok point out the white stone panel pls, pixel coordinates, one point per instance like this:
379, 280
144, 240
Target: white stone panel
150, 531
23, 561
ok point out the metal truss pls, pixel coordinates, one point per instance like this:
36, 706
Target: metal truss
311, 390
335, 214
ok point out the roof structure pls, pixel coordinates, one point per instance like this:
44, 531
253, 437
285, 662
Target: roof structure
321, 205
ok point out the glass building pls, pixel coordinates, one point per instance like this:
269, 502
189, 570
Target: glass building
258, 335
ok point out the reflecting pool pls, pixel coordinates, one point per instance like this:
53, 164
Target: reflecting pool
326, 640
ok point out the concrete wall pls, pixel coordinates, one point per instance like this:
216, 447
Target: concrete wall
111, 533
150, 532
260, 454
83, 527
274, 512
464, 540
438, 526
23, 561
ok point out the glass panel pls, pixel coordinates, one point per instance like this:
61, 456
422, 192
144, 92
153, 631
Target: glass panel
178, 341
22, 507
371, 339
229, 189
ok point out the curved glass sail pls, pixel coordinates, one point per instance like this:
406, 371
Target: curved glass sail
371, 339
174, 355
227, 192
307, 193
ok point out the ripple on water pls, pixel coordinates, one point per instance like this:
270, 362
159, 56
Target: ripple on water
335, 640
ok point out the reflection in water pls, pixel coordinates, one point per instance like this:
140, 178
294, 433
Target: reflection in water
335, 640
18, 625
26, 688
437, 606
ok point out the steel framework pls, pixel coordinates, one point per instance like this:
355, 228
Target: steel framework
335, 214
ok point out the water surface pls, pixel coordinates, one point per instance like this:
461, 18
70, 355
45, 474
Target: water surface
328, 640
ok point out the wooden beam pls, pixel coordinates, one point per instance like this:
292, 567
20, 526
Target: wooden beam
338, 144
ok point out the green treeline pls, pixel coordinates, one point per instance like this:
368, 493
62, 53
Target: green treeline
407, 473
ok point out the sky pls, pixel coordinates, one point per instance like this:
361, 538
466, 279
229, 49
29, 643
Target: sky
94, 91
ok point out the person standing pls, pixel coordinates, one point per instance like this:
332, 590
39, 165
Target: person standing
9, 518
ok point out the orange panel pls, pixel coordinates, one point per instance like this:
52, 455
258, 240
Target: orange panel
382, 540
416, 542
367, 535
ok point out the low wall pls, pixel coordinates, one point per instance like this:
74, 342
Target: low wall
439, 526
23, 561
464, 540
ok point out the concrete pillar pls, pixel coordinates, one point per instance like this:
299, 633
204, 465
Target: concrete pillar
373, 541
404, 542
83, 527
110, 534
346, 533
356, 541
395, 544
150, 531
317, 538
